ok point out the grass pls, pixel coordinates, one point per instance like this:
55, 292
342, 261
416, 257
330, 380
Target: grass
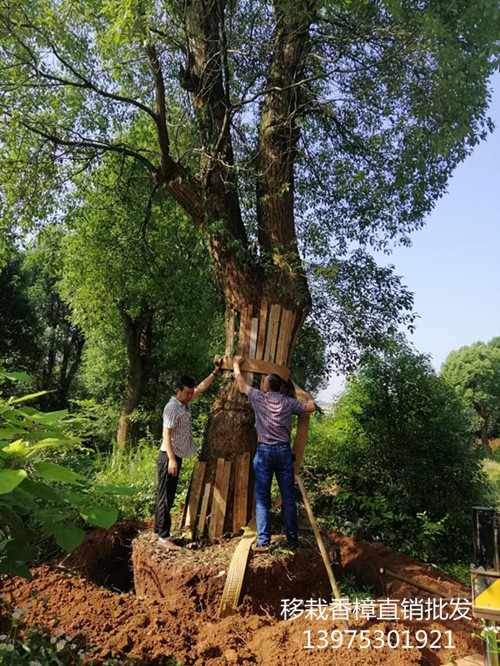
492, 469
136, 468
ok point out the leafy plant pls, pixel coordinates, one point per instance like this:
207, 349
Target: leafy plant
37, 494
397, 462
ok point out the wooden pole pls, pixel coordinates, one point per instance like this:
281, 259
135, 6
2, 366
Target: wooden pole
319, 539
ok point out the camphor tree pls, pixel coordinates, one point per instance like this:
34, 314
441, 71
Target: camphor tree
474, 372
296, 135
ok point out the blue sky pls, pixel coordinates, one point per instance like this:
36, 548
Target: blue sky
453, 265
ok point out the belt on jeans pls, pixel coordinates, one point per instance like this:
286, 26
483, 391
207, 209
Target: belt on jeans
275, 443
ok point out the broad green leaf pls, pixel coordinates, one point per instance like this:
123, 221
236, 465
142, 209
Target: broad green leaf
39, 489
10, 479
12, 519
45, 418
19, 550
53, 472
27, 398
48, 443
23, 499
99, 515
78, 500
7, 432
68, 538
13, 568
17, 448
16, 376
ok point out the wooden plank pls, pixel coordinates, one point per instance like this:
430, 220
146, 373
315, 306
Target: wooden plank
244, 332
260, 367
319, 539
236, 574
197, 479
240, 504
261, 338
272, 332
285, 334
219, 499
254, 327
185, 507
202, 518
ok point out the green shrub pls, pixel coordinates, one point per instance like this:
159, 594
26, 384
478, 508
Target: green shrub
397, 462
40, 498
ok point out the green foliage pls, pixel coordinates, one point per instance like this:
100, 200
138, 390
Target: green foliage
308, 365
140, 286
396, 462
392, 97
474, 373
135, 471
18, 324
39, 498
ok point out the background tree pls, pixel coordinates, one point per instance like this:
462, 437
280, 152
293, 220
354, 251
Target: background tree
140, 287
401, 449
60, 340
296, 135
474, 373
18, 323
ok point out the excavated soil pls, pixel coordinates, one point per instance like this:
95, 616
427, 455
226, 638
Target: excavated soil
174, 612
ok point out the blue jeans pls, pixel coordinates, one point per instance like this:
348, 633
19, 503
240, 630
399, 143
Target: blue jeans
278, 459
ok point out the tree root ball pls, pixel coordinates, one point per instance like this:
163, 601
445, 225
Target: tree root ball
200, 574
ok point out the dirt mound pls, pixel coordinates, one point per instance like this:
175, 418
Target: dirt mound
201, 573
104, 556
175, 612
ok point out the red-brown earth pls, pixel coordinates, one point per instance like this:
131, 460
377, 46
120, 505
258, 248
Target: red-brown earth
90, 596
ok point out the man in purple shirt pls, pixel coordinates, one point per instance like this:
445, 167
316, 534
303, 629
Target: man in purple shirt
273, 422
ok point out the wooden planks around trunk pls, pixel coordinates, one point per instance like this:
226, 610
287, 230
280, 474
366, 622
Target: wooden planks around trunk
207, 502
241, 483
219, 499
261, 337
261, 367
202, 518
195, 491
272, 332
285, 335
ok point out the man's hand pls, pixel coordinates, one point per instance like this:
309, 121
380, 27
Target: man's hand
240, 380
173, 468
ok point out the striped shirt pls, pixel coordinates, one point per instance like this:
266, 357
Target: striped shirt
273, 414
178, 417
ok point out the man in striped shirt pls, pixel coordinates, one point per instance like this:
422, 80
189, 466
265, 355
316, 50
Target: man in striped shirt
177, 444
273, 422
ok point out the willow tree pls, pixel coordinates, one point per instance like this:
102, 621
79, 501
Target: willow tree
297, 135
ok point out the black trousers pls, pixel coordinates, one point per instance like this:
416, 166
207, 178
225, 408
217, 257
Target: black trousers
165, 494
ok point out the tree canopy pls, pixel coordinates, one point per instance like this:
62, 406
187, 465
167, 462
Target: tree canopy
474, 373
297, 135
401, 450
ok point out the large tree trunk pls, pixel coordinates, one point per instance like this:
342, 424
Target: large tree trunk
138, 335
264, 331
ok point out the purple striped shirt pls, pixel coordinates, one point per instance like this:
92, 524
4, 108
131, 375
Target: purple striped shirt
273, 414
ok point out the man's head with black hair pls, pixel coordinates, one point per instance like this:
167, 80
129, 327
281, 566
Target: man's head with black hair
184, 389
273, 382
